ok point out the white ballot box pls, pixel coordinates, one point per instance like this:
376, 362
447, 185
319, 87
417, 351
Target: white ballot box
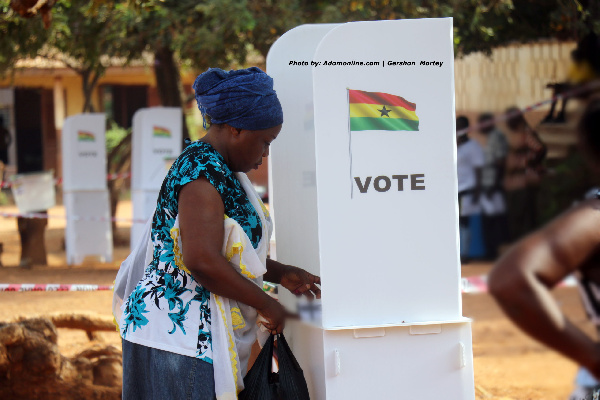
85, 194
364, 194
156, 142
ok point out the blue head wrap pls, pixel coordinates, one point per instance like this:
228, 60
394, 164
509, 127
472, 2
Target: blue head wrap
243, 98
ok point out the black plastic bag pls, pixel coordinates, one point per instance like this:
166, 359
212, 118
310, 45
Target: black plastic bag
262, 384
292, 385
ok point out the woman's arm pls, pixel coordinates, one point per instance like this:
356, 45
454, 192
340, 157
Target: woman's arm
522, 279
201, 214
294, 279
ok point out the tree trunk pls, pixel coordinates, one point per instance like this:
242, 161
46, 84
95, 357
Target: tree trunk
33, 248
168, 83
89, 80
118, 162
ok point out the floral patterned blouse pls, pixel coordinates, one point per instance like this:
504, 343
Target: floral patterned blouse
169, 309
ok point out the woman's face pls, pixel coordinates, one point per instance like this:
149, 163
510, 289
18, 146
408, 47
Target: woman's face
251, 147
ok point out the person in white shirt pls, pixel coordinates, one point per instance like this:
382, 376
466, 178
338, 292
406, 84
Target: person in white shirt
469, 162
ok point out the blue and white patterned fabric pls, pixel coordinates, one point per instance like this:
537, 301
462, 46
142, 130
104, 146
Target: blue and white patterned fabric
169, 309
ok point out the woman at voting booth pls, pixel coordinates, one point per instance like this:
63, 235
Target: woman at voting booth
188, 297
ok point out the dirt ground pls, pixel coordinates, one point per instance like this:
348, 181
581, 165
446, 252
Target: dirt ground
508, 365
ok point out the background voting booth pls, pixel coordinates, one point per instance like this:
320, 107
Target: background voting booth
156, 142
364, 194
85, 194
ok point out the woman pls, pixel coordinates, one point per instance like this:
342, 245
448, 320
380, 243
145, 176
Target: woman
190, 322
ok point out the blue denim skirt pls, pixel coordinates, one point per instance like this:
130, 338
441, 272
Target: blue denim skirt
153, 374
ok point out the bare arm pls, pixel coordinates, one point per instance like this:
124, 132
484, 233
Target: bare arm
294, 279
201, 214
522, 279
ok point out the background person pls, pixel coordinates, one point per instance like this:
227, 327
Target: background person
522, 176
5, 140
168, 324
469, 162
522, 279
495, 148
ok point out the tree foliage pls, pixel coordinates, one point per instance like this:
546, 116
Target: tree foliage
88, 34
478, 25
84, 36
200, 33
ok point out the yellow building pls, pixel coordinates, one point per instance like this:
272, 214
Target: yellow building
36, 99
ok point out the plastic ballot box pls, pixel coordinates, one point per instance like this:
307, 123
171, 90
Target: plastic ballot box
364, 194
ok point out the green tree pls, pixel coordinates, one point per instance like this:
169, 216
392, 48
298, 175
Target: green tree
479, 26
86, 37
187, 34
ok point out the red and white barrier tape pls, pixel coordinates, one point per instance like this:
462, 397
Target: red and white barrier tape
503, 117
478, 284
50, 287
58, 181
73, 218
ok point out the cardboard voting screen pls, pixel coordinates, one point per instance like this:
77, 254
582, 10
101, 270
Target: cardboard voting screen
84, 152
292, 165
144, 204
156, 140
384, 170
90, 233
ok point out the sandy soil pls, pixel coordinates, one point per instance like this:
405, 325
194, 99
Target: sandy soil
508, 364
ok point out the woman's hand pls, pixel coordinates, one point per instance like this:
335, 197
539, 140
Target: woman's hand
300, 282
275, 315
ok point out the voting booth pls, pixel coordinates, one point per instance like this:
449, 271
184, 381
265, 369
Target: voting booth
364, 194
156, 142
85, 194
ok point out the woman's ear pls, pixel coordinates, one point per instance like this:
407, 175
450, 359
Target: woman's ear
235, 132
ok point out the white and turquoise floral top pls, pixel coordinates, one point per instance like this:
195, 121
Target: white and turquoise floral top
169, 309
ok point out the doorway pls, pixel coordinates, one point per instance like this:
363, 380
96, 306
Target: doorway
28, 125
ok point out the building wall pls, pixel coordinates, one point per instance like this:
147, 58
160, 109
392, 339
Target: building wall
67, 95
70, 82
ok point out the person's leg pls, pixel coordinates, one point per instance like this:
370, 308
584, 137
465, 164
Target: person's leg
531, 206
512, 214
488, 225
152, 374
464, 235
517, 213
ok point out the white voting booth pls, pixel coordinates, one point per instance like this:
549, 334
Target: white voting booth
372, 209
85, 194
156, 141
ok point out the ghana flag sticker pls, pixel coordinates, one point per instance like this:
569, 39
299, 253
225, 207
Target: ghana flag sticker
159, 131
375, 111
84, 136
